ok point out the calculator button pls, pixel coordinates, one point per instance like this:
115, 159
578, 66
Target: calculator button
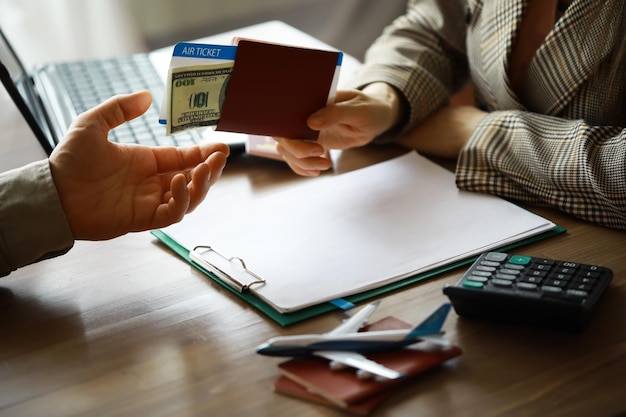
588, 274
513, 266
501, 282
556, 283
485, 268
533, 280
527, 286
542, 267
550, 289
482, 273
589, 281
591, 268
520, 260
577, 293
473, 284
564, 277
540, 261
490, 263
509, 271
582, 287
477, 279
496, 256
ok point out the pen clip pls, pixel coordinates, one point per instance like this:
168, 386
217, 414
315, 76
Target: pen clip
226, 268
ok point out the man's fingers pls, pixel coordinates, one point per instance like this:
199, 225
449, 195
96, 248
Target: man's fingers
118, 109
176, 207
201, 181
170, 159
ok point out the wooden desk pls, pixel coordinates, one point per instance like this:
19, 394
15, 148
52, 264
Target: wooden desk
125, 328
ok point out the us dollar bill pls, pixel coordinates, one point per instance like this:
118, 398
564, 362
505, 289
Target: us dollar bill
196, 96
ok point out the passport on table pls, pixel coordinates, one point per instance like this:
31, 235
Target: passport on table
364, 407
312, 379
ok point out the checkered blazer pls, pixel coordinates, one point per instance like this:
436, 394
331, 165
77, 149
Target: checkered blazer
564, 145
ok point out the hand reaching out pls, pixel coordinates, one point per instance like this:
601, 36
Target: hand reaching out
109, 189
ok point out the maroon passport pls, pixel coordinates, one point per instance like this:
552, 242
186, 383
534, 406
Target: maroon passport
274, 88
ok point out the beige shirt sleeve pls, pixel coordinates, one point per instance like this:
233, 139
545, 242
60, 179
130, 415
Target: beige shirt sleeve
32, 222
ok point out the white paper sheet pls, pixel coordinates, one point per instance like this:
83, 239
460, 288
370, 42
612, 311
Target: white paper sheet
344, 234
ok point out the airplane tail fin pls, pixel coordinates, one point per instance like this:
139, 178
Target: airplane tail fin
432, 324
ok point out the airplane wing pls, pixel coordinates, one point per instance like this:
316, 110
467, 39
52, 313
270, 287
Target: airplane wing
360, 362
355, 322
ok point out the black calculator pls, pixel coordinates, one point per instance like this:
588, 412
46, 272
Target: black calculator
528, 290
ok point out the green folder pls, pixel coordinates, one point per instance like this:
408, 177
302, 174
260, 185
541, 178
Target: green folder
286, 319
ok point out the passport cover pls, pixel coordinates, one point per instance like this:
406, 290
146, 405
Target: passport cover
291, 388
274, 88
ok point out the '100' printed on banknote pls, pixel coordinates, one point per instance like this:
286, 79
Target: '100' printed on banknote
196, 96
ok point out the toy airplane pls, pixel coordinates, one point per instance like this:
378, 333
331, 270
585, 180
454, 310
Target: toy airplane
345, 345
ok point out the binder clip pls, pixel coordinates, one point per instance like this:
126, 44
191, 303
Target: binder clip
230, 270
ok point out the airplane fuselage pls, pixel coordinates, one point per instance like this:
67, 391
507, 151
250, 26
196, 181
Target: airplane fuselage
361, 342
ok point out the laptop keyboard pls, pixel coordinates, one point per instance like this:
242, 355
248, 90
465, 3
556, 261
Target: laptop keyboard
91, 82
